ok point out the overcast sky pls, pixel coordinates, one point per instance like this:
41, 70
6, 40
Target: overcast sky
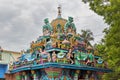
21, 21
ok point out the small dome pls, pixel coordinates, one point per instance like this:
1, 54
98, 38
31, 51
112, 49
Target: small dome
57, 21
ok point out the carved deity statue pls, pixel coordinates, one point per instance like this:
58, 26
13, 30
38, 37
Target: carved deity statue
69, 56
59, 29
47, 28
70, 26
54, 56
43, 56
24, 76
33, 75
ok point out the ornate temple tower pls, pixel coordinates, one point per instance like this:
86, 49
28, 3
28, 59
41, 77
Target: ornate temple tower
60, 54
59, 22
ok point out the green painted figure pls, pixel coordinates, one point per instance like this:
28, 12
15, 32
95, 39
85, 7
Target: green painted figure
47, 28
91, 57
59, 29
77, 58
70, 26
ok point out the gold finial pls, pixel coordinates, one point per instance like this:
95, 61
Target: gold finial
59, 11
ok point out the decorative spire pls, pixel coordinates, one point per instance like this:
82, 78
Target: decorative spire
59, 11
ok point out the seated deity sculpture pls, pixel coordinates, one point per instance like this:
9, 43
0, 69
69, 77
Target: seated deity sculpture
70, 26
47, 28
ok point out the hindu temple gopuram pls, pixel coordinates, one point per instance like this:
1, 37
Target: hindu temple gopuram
60, 53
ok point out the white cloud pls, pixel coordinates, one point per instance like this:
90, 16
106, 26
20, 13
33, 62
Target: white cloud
21, 21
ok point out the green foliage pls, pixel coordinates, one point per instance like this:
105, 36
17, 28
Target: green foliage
87, 35
110, 10
101, 49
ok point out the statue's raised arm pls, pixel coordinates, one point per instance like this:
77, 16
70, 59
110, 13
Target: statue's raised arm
70, 26
47, 28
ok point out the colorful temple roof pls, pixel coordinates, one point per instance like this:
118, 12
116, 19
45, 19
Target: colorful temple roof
61, 47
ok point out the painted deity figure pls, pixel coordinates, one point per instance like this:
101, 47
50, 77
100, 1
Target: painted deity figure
47, 28
49, 58
24, 76
34, 75
90, 58
69, 56
70, 26
43, 55
76, 75
54, 56
77, 59
48, 45
59, 29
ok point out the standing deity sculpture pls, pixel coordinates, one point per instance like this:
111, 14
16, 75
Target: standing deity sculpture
69, 56
59, 29
70, 26
34, 75
90, 60
24, 75
47, 28
54, 56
